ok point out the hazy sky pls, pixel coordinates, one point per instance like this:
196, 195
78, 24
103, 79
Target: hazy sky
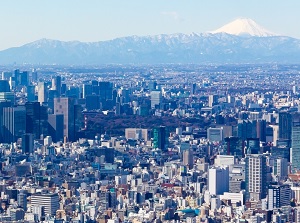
24, 21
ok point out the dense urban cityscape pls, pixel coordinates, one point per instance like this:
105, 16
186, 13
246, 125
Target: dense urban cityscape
165, 143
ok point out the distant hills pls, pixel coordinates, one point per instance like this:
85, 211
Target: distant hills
241, 41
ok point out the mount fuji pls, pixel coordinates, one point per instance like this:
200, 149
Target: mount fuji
244, 26
240, 41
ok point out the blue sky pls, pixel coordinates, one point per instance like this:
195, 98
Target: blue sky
24, 21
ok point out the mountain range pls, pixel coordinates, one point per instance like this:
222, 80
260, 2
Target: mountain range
241, 41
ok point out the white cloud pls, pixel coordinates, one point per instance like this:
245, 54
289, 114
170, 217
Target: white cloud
172, 14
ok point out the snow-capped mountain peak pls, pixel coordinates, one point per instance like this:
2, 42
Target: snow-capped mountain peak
244, 26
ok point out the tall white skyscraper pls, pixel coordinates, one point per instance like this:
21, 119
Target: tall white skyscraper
42, 92
256, 177
218, 180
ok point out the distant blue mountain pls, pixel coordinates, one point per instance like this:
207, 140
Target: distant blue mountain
175, 48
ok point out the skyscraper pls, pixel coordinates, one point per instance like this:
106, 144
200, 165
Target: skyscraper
188, 158
212, 100
87, 89
295, 143
14, 123
247, 129
285, 125
156, 98
30, 90
256, 177
261, 129
56, 85
105, 90
56, 126
234, 146
42, 92
3, 104
27, 143
4, 86
66, 106
36, 119
160, 138
22, 200
253, 146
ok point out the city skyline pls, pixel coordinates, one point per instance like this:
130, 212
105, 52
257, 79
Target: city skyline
100, 20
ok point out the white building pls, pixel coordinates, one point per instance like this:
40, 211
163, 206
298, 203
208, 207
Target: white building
218, 180
224, 160
49, 202
215, 134
156, 98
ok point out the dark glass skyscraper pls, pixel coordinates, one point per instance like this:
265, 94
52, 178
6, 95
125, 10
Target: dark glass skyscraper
4, 86
160, 138
285, 125
36, 119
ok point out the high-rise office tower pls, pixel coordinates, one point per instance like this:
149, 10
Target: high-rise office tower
280, 169
36, 119
212, 100
56, 85
66, 106
22, 200
4, 86
63, 88
27, 143
92, 102
3, 104
278, 196
215, 134
234, 146
105, 90
6, 75
34, 75
218, 180
87, 89
285, 125
14, 123
51, 95
193, 88
188, 158
42, 92
160, 138
261, 130
295, 143
56, 127
256, 177
30, 90
253, 146
125, 96
156, 98
21, 78
247, 129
